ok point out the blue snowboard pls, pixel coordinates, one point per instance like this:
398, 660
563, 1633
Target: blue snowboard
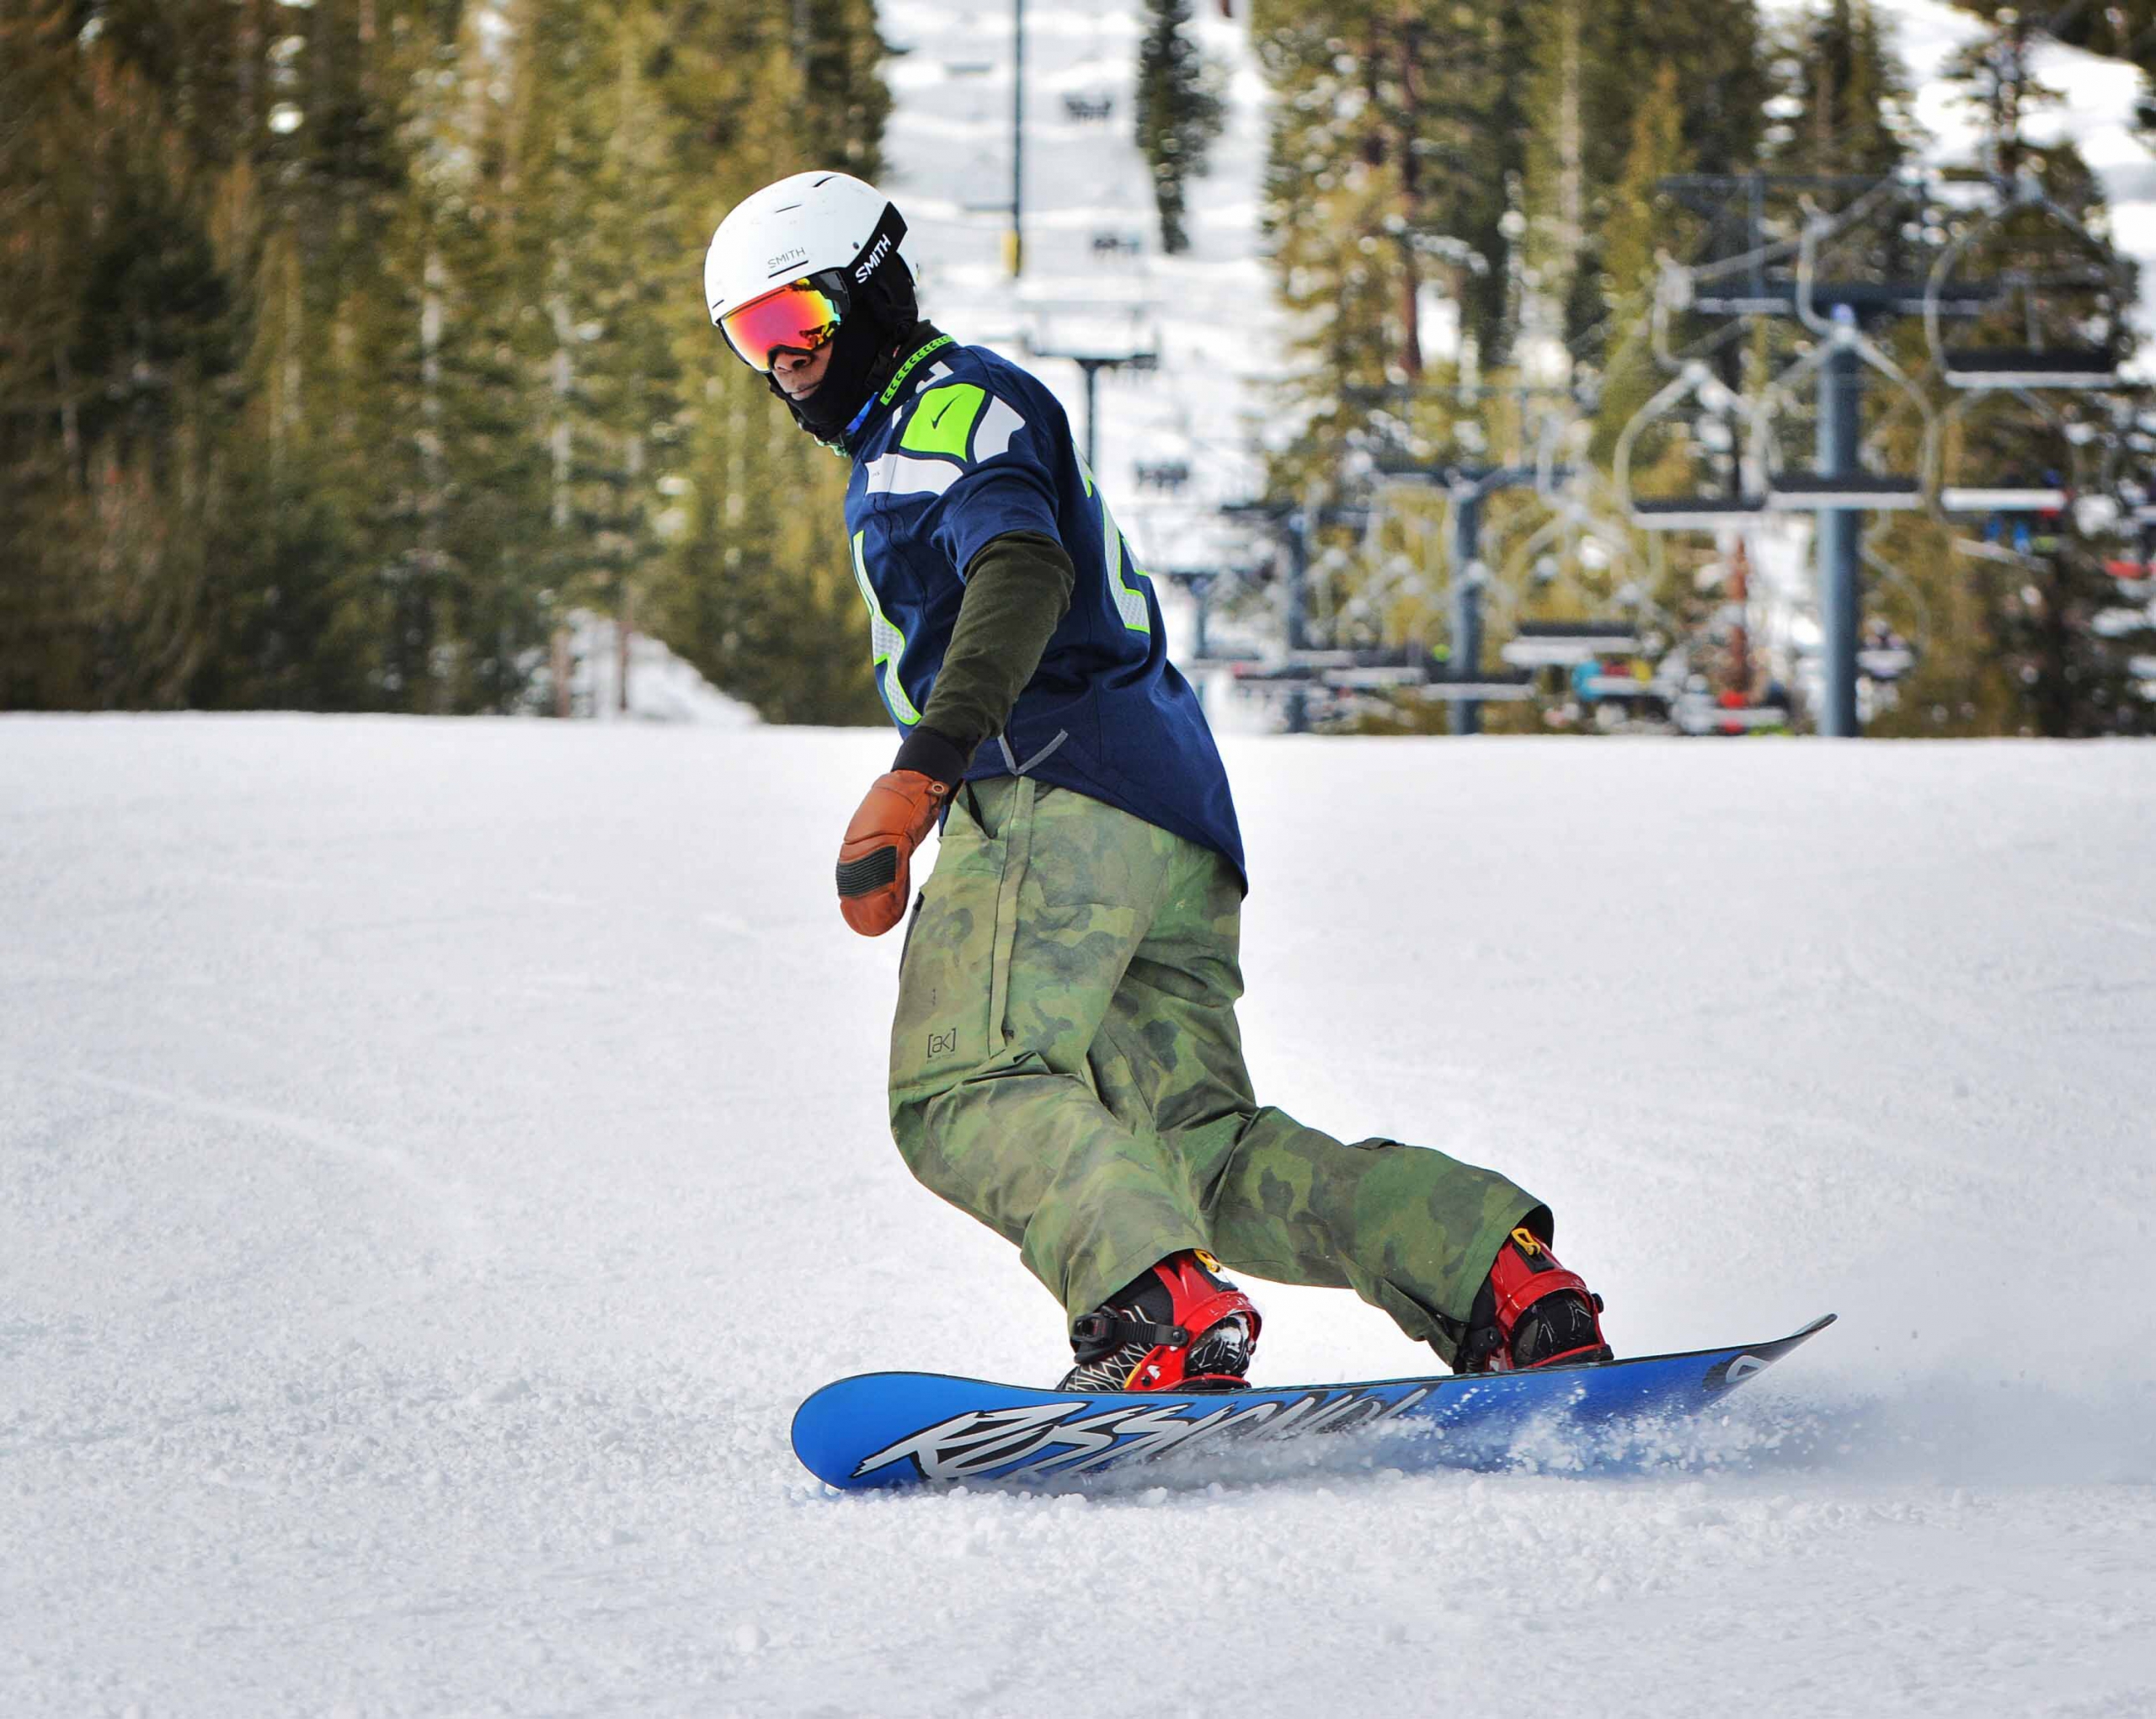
899, 1429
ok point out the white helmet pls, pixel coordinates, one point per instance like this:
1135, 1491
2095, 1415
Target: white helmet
810, 224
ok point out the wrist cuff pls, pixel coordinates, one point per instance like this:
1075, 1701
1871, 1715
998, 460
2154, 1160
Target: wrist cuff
933, 754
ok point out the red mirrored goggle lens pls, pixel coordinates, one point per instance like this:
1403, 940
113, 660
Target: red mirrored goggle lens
802, 315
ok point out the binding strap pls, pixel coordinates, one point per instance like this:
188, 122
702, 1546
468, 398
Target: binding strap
1105, 1330
1108, 1329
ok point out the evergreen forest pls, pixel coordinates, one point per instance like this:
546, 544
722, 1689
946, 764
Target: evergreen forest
1508, 237
347, 347
350, 344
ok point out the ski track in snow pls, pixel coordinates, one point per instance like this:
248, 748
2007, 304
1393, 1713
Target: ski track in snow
435, 1157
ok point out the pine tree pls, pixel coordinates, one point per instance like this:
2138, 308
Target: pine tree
1594, 64
844, 99
1558, 189
757, 587
1388, 165
119, 366
1394, 147
2018, 650
1644, 225
1849, 97
1179, 114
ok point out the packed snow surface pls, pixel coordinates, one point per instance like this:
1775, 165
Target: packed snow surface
435, 1157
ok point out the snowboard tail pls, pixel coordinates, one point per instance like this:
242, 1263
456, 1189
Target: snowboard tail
878, 1430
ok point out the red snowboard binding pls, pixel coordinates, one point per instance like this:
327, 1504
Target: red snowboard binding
1177, 1328
1531, 1312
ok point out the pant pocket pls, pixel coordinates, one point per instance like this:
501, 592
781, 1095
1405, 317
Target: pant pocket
954, 976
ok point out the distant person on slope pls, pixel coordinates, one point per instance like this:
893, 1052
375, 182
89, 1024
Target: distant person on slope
1066, 1063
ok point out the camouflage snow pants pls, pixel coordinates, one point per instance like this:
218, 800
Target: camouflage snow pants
1066, 1067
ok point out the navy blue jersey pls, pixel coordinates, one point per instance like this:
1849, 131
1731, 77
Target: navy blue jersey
963, 447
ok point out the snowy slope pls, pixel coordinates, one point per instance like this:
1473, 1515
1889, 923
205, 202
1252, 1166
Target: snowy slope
434, 1157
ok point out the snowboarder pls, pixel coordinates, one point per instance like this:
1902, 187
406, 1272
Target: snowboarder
1064, 1060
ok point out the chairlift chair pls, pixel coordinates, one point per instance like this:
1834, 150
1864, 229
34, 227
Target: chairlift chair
2076, 366
1385, 578
1687, 513
1584, 648
1602, 687
2117, 503
1801, 492
1403, 665
2006, 500
1484, 688
1792, 491
1699, 713
1565, 644
1886, 663
2058, 482
1891, 659
2134, 573
1577, 521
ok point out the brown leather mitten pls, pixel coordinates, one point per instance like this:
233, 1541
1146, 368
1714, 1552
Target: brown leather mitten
876, 859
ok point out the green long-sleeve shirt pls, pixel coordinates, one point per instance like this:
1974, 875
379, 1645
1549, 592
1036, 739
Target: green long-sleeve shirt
1018, 591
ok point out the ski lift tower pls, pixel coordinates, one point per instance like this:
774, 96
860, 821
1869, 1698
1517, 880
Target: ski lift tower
1095, 337
1014, 239
1013, 207
1465, 685
1470, 487
1749, 273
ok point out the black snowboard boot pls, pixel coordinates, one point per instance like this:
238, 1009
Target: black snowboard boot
1178, 1327
1531, 1312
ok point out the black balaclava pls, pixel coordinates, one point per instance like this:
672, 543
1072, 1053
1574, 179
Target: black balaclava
874, 335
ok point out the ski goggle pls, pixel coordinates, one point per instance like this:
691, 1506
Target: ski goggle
801, 315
